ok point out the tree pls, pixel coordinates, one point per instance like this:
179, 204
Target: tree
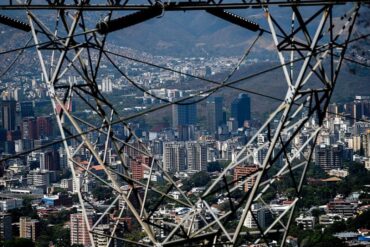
317, 238
362, 220
316, 212
214, 167
337, 226
200, 179
61, 236
102, 193
26, 210
19, 242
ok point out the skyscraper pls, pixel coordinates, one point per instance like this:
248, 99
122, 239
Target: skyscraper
214, 113
79, 230
196, 153
8, 108
362, 107
184, 115
49, 160
44, 126
329, 157
174, 156
28, 128
241, 109
27, 109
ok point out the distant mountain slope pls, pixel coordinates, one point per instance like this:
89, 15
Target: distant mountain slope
200, 34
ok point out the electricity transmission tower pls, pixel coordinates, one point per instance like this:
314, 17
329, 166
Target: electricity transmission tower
310, 45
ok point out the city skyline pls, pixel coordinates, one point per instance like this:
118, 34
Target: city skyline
171, 139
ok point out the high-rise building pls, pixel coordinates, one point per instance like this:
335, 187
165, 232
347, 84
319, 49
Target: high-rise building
186, 132
101, 239
214, 113
174, 156
49, 160
106, 85
27, 109
28, 128
5, 227
11, 203
366, 143
29, 228
134, 149
184, 115
38, 177
44, 126
329, 157
138, 166
241, 109
362, 107
8, 112
243, 172
196, 153
79, 230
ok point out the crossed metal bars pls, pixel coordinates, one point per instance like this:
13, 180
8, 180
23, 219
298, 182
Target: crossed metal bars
310, 61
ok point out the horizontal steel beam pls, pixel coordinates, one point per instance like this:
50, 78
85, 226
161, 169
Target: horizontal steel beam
176, 6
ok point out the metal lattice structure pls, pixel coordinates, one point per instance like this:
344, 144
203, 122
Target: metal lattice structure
311, 50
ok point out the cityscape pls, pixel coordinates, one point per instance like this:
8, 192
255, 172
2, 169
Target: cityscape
122, 147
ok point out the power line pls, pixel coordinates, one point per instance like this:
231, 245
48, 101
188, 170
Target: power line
219, 85
355, 62
229, 85
211, 81
46, 42
15, 59
175, 6
236, 67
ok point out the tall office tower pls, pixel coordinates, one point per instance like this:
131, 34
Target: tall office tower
332, 111
186, 132
8, 111
49, 160
5, 227
79, 230
106, 85
184, 115
29, 228
214, 113
44, 126
27, 109
156, 147
329, 157
28, 128
174, 156
196, 154
361, 107
241, 109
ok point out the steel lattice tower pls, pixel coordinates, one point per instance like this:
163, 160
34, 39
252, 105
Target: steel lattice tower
311, 50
